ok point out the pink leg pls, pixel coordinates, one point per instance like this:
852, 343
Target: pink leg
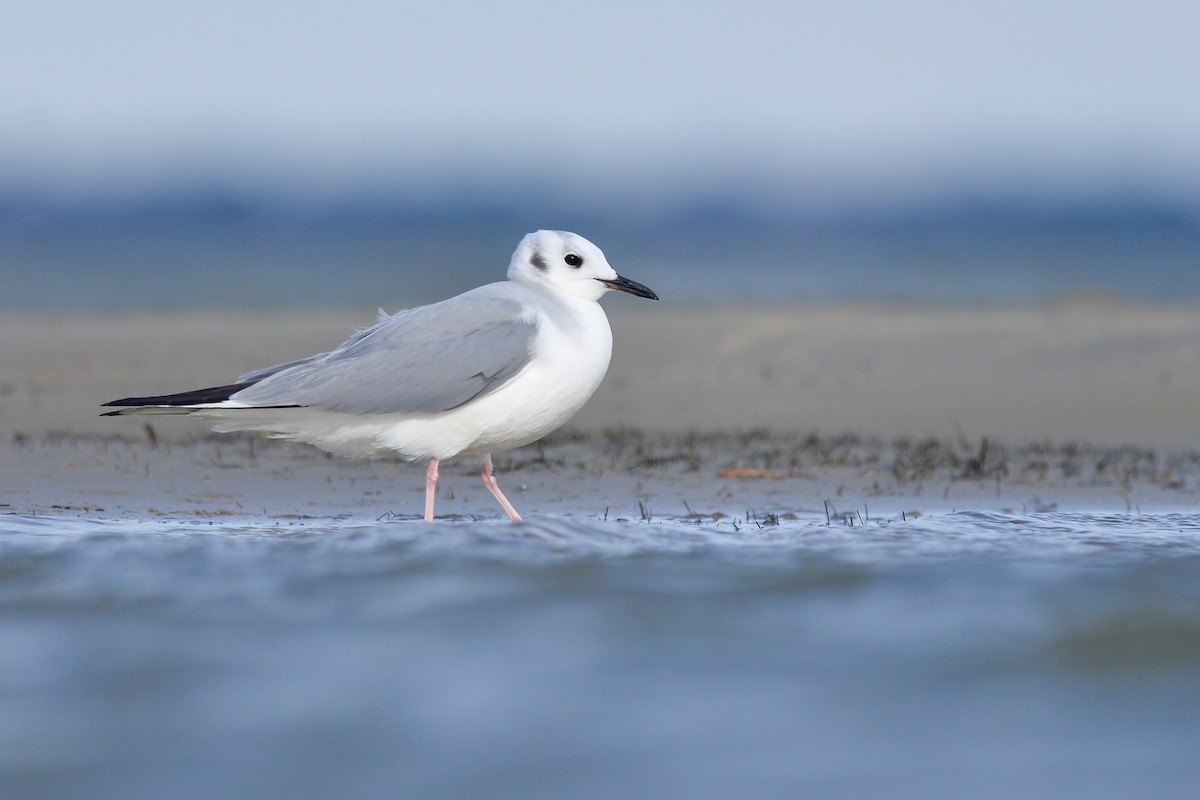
431, 479
489, 480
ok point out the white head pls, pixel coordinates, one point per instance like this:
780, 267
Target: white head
568, 264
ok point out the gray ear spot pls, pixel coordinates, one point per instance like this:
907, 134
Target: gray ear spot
538, 261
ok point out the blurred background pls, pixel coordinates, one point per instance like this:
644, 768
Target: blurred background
192, 155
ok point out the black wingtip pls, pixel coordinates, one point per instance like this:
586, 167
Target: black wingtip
213, 394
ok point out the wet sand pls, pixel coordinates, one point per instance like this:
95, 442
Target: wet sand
753, 478
732, 412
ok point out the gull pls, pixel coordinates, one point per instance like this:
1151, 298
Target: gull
494, 368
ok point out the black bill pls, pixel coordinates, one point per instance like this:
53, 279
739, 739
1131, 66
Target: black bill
626, 285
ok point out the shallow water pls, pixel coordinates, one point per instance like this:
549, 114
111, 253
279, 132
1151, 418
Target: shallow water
979, 655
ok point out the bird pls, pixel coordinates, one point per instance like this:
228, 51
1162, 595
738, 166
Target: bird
497, 367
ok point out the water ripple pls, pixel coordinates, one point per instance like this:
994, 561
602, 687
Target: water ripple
351, 652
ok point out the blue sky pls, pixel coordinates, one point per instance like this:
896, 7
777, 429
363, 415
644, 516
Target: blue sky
601, 99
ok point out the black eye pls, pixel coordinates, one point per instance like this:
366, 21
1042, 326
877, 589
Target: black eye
573, 260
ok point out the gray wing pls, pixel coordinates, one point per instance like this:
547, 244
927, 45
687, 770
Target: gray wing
423, 360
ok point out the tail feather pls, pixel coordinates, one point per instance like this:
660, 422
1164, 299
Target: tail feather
176, 403
122, 412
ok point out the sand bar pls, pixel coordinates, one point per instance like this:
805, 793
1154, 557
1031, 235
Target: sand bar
724, 414
1094, 372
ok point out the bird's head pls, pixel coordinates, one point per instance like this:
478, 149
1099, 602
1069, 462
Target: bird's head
569, 264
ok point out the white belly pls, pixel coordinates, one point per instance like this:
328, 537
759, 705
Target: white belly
570, 359
567, 368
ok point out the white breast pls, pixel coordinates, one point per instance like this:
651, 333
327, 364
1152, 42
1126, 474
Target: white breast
571, 355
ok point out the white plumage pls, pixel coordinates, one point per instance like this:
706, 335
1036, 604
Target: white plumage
494, 368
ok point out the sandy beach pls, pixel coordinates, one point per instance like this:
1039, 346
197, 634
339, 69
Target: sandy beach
738, 412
